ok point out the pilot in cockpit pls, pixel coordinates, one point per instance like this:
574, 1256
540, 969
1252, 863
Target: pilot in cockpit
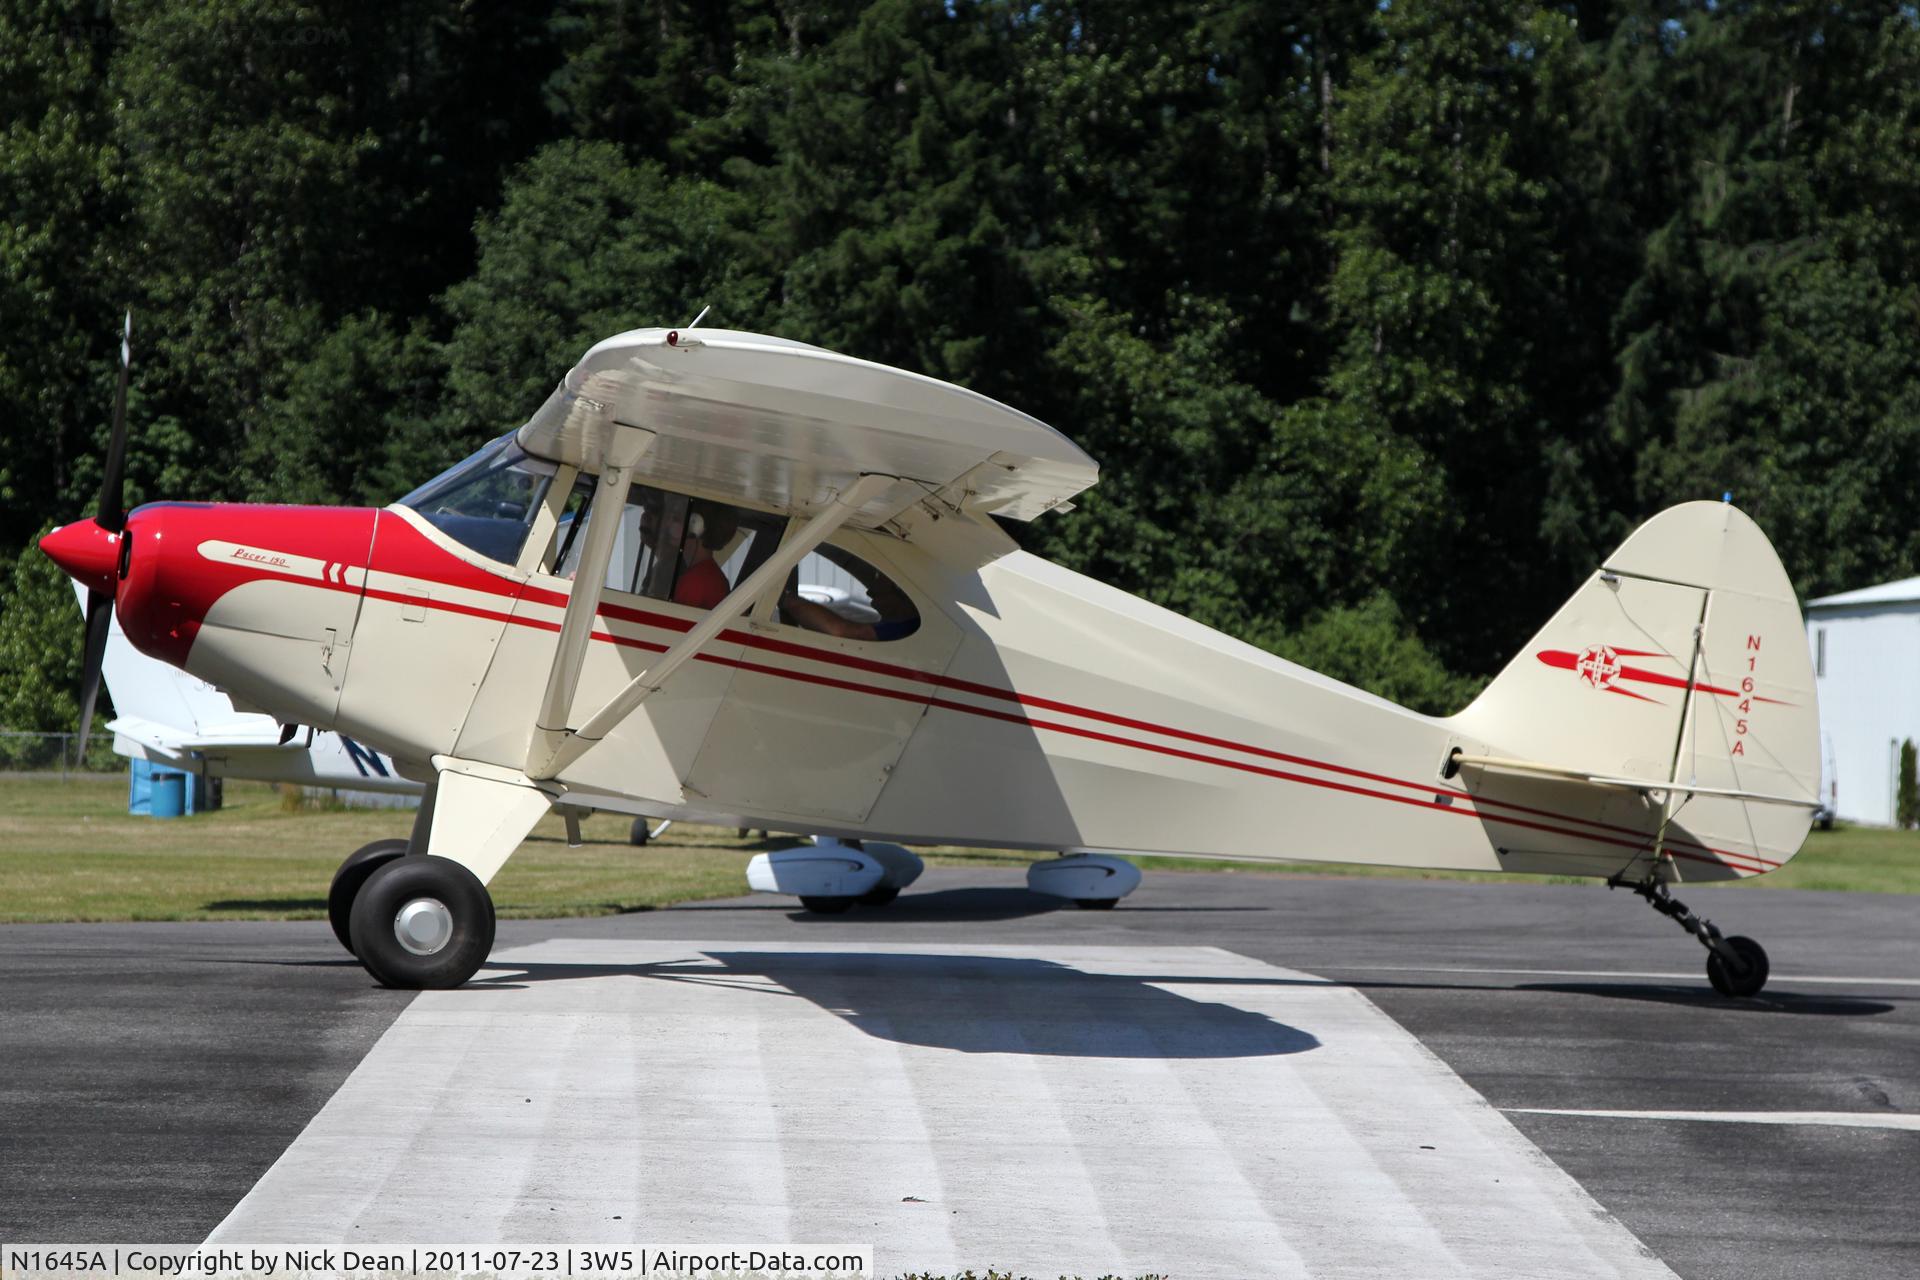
898, 616
702, 583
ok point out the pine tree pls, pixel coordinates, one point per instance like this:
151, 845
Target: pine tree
1907, 803
59, 306
1449, 141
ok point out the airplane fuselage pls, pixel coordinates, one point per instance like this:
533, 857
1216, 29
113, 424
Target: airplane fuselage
1033, 707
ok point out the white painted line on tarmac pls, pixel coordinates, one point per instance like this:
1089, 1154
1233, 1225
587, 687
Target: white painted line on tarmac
1691, 975
1044, 1109
1844, 1119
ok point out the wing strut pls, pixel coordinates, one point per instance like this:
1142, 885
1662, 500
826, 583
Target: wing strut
554, 749
589, 582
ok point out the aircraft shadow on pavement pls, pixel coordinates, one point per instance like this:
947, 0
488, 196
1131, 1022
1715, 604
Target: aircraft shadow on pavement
974, 1004
1703, 997
982, 903
942, 904
998, 903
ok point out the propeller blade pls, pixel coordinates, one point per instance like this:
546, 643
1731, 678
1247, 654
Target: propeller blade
99, 619
112, 515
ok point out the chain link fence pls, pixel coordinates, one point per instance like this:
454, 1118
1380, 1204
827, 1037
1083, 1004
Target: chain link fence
57, 755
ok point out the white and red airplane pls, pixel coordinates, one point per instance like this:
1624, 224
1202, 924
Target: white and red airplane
599, 610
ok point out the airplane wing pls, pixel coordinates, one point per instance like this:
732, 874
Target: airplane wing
782, 425
173, 741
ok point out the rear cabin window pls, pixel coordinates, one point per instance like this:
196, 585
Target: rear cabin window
836, 593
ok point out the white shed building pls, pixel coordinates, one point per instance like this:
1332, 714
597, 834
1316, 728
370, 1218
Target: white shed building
1866, 667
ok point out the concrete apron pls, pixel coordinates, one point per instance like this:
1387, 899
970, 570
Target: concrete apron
1049, 1109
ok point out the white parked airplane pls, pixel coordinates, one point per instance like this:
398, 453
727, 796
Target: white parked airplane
176, 720
598, 609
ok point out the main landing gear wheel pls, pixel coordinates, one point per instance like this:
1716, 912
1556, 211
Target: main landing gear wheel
422, 922
827, 906
880, 895
1736, 966
639, 833
353, 873
1741, 975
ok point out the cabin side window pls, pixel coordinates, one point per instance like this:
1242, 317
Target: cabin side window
669, 546
836, 593
694, 551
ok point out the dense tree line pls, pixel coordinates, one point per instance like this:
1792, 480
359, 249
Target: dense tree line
1383, 320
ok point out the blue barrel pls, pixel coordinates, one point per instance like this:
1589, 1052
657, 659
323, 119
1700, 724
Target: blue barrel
169, 794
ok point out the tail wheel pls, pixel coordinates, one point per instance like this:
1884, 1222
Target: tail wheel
1745, 974
353, 873
422, 922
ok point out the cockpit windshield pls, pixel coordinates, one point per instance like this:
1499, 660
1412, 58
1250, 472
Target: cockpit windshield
488, 501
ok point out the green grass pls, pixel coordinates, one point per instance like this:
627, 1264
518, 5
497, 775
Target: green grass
1854, 859
71, 852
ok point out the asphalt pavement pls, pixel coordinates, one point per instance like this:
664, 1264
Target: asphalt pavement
155, 1072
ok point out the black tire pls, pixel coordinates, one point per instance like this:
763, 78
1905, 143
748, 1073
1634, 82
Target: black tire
639, 833
827, 906
1096, 904
353, 873
1744, 979
880, 895
433, 880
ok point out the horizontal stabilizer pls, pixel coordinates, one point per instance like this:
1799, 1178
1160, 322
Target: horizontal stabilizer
1649, 785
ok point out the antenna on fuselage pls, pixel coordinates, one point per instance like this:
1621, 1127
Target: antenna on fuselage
697, 319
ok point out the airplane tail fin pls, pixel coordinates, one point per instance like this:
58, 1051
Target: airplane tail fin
1678, 673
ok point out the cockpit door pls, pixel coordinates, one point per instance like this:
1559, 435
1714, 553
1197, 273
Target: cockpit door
647, 754
813, 725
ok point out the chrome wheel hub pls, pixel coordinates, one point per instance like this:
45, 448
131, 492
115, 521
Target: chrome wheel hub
423, 926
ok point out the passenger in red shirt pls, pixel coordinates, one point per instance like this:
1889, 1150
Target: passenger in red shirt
702, 584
